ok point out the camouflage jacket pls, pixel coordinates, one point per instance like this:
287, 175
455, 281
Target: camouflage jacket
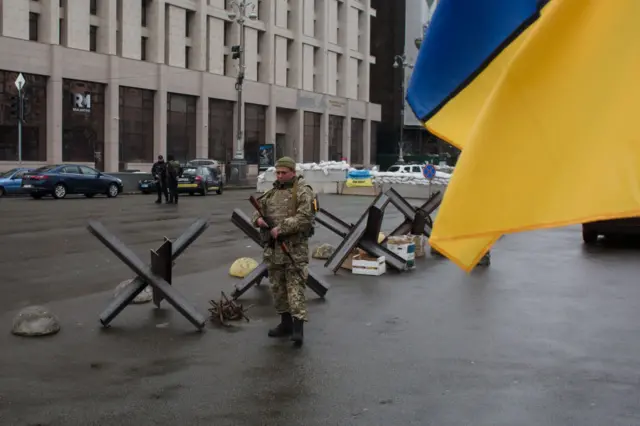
294, 222
174, 170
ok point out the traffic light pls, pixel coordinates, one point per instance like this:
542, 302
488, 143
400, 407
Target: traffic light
26, 107
15, 107
235, 50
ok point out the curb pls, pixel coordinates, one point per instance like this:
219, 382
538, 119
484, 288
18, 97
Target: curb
226, 188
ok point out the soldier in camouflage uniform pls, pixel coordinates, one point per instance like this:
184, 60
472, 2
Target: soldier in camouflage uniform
289, 205
174, 170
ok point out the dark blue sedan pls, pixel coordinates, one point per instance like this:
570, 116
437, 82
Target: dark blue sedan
62, 179
11, 181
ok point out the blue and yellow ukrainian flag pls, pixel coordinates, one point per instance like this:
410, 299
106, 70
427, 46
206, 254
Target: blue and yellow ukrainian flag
543, 98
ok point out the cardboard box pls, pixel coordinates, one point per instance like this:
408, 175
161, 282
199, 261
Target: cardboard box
405, 248
420, 241
364, 264
347, 264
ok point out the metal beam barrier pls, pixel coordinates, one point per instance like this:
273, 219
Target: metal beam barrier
158, 276
242, 221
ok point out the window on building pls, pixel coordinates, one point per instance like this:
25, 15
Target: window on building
374, 143
359, 30
189, 18
167, 31
143, 12
319, 8
93, 38
341, 18
357, 141
93, 7
263, 10
290, 49
311, 146
335, 137
119, 19
62, 33
221, 130
136, 126
181, 126
33, 26
143, 48
317, 58
34, 130
255, 131
83, 122
187, 57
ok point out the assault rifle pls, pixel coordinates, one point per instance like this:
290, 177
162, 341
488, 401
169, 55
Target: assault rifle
311, 281
270, 225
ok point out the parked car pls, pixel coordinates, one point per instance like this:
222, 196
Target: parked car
59, 180
610, 228
415, 169
11, 181
200, 179
147, 186
215, 164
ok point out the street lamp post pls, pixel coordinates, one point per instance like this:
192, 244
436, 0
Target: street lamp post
400, 61
238, 12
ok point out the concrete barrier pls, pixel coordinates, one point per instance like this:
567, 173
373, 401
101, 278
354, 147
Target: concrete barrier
329, 183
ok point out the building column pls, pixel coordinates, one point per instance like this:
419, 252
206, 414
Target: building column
156, 29
297, 10
199, 37
271, 120
107, 40
50, 19
324, 136
298, 136
364, 73
346, 133
130, 28
112, 119
54, 108
342, 89
160, 115
202, 122
366, 139
77, 21
267, 68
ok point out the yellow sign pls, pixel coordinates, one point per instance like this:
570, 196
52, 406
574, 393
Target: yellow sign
351, 183
187, 185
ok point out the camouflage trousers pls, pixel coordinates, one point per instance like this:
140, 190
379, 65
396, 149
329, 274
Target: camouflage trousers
288, 288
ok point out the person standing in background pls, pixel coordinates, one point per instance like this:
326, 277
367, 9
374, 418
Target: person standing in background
173, 172
159, 173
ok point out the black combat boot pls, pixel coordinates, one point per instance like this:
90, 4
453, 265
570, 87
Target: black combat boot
297, 336
284, 328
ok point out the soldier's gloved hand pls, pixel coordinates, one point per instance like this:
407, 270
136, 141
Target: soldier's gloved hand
261, 223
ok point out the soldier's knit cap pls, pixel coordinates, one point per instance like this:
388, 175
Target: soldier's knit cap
286, 162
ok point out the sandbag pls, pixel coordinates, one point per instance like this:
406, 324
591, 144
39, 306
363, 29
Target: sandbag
242, 267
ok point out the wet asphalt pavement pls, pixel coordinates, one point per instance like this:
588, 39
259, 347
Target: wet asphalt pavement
547, 335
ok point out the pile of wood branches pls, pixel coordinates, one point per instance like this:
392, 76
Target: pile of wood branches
227, 310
